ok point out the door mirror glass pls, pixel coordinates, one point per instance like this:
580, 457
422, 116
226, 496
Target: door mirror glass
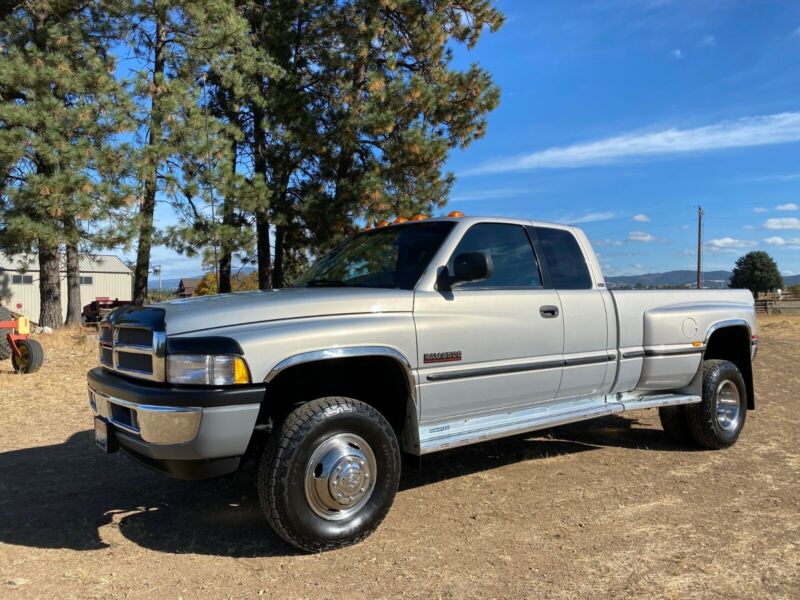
470, 266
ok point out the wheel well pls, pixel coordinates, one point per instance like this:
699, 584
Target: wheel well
380, 381
733, 344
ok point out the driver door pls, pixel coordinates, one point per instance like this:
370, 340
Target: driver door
492, 345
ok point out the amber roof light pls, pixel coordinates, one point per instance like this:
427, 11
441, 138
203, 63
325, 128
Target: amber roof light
419, 217
399, 220
455, 213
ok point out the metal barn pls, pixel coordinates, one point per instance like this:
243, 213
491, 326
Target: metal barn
104, 276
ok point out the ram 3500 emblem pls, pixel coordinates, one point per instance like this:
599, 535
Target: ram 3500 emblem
438, 357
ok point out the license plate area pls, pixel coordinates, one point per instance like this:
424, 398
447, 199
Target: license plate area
104, 436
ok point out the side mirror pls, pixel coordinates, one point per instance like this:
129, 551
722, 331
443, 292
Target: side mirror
468, 266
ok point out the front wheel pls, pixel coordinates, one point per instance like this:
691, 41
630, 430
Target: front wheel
718, 419
329, 474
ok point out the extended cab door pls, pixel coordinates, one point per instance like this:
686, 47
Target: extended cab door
588, 315
488, 346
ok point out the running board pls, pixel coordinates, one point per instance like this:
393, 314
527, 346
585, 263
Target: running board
465, 431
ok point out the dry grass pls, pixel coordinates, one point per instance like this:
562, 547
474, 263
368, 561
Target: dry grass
596, 510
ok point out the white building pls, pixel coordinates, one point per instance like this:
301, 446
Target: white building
102, 276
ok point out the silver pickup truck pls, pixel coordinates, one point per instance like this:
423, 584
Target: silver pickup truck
417, 336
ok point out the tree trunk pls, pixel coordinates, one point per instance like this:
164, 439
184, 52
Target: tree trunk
278, 268
148, 206
49, 286
228, 222
74, 303
263, 253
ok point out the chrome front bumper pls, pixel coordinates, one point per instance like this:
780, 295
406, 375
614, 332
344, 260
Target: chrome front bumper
159, 425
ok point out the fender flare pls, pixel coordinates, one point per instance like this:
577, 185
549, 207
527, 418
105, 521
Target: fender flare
411, 430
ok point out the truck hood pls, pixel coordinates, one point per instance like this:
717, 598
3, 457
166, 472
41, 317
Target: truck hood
207, 312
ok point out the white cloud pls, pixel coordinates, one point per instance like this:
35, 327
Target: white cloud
677, 53
779, 241
606, 242
760, 209
641, 236
728, 243
750, 131
787, 206
782, 223
641, 218
589, 217
488, 194
708, 41
772, 177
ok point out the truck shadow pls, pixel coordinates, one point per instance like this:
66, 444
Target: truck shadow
71, 496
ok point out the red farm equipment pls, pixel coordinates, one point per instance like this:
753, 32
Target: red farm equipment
26, 354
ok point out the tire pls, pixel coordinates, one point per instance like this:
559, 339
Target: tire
719, 418
31, 356
303, 464
5, 349
673, 420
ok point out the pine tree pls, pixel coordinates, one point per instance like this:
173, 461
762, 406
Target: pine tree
358, 119
60, 108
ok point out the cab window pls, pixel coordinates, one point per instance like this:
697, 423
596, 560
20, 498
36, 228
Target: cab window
565, 260
512, 255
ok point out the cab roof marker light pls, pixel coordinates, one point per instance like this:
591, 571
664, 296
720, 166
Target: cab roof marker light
455, 213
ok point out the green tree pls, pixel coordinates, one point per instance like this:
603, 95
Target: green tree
60, 109
346, 112
757, 272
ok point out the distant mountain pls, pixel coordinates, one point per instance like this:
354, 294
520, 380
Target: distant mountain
681, 279
674, 279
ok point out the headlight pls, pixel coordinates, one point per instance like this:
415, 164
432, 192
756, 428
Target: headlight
204, 369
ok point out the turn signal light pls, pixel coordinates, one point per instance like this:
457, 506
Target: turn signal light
455, 213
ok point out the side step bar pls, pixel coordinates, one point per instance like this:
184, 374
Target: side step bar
465, 431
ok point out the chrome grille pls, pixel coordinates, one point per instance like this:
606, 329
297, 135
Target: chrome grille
134, 351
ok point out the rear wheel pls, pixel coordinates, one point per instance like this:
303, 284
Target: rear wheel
31, 356
719, 418
5, 349
329, 474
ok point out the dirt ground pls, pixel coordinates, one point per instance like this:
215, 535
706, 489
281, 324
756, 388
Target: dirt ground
608, 508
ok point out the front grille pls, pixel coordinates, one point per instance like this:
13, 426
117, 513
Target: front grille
141, 363
134, 351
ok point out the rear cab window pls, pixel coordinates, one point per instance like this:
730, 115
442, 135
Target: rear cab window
565, 260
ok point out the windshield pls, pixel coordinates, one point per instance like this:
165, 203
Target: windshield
392, 257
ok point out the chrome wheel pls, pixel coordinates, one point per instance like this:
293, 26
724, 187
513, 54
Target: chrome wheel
340, 476
728, 407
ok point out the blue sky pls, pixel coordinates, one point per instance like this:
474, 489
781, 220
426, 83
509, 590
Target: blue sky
623, 115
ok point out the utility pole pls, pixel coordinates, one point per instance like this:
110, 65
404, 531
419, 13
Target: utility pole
699, 247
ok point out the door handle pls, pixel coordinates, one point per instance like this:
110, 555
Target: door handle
549, 311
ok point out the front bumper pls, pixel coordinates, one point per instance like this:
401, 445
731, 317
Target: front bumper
175, 429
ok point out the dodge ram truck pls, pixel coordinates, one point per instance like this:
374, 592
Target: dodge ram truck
412, 337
